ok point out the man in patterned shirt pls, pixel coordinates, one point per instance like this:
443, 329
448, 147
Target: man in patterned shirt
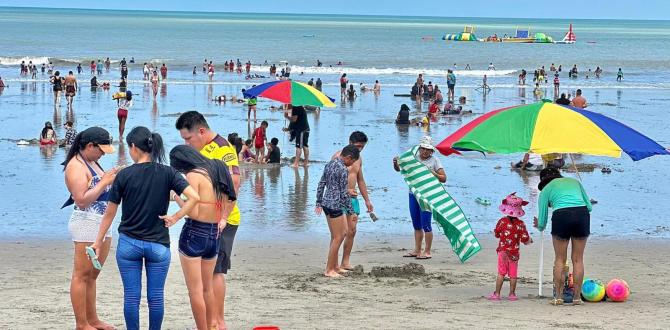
332, 197
70, 134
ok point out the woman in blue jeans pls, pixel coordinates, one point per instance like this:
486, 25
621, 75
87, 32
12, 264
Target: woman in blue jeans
144, 190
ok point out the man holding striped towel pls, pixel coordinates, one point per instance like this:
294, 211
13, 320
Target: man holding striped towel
421, 220
428, 199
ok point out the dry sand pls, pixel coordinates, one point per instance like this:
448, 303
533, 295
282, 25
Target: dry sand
281, 284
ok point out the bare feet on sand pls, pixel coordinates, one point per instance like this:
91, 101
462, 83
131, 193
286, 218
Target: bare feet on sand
346, 267
332, 274
102, 325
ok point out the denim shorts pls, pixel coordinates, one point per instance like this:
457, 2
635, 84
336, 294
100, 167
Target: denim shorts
198, 239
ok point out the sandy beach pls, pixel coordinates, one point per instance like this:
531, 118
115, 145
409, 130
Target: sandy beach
281, 284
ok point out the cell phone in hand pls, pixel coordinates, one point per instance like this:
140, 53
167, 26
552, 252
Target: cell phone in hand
373, 216
94, 258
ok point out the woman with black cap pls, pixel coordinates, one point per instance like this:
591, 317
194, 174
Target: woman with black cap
88, 184
144, 238
570, 221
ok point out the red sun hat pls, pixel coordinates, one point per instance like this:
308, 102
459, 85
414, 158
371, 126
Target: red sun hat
513, 206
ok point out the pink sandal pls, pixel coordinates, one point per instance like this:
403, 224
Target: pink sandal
493, 297
512, 297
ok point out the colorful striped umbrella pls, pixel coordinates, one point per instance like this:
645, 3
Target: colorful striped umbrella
290, 92
544, 128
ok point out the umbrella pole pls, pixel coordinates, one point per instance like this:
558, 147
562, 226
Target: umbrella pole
539, 276
575, 167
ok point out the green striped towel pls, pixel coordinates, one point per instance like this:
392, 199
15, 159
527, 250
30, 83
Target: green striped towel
431, 195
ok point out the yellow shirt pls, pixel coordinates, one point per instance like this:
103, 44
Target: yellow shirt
220, 149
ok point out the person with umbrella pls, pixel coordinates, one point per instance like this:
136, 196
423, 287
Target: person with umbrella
570, 222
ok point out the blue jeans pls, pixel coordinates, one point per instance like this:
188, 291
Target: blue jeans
130, 255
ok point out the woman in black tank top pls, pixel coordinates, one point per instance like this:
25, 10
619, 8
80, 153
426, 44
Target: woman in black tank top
57, 81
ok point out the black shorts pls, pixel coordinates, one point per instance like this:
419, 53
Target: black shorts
332, 213
226, 239
451, 86
302, 139
571, 222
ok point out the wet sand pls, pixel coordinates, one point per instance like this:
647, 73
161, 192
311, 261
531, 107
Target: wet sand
281, 284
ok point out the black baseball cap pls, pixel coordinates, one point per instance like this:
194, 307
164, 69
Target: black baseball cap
98, 136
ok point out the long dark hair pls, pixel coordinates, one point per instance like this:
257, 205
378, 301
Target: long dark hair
75, 148
185, 159
47, 127
151, 143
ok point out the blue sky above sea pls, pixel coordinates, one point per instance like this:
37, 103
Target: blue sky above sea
565, 9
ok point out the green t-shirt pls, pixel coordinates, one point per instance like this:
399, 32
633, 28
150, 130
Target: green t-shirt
559, 194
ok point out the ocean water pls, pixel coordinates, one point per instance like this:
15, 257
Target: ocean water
279, 201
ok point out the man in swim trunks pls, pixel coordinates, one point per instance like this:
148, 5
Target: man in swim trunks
195, 131
356, 180
70, 89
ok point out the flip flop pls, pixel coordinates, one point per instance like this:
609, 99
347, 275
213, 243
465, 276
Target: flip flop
410, 255
423, 258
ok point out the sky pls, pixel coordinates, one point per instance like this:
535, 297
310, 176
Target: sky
564, 9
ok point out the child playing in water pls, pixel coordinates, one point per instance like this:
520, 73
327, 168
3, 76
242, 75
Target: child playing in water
511, 231
260, 138
274, 154
245, 154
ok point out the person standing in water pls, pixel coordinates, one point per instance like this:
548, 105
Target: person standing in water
198, 242
343, 85
89, 186
619, 75
451, 84
143, 191
300, 126
57, 82
70, 89
196, 133
356, 183
124, 105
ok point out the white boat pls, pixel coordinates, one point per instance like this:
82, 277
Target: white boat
569, 37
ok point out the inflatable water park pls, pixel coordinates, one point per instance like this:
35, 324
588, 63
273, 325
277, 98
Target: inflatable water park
468, 34
522, 35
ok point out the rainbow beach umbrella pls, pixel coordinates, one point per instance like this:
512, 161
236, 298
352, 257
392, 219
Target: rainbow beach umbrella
544, 128
290, 92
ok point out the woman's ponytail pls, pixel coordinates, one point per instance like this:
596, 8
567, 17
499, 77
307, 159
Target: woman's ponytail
75, 148
155, 144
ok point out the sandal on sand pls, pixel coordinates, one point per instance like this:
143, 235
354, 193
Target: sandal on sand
423, 257
410, 255
512, 297
493, 297
556, 302
577, 302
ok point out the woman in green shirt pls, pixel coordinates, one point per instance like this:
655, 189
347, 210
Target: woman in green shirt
570, 221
